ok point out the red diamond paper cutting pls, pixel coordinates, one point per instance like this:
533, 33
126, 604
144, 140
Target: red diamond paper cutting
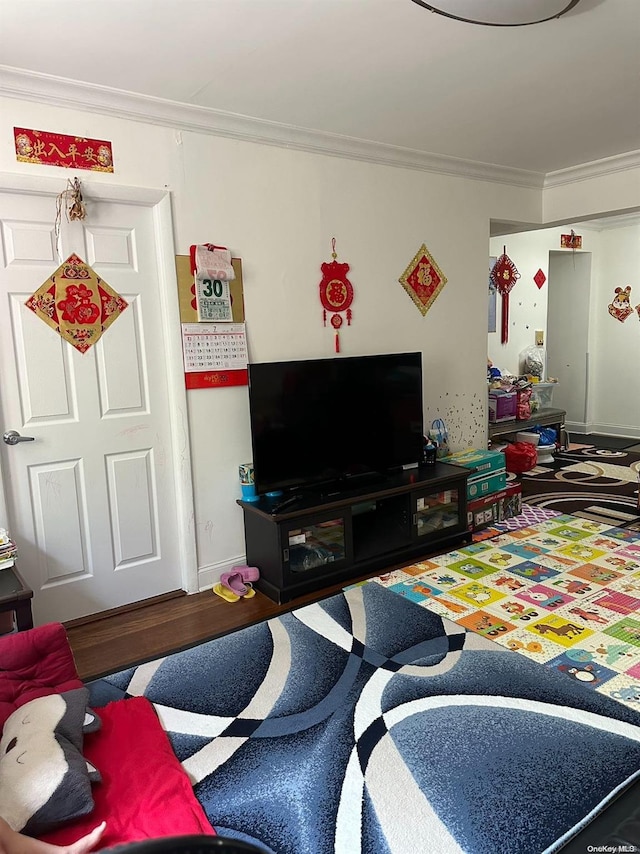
77, 303
423, 279
539, 279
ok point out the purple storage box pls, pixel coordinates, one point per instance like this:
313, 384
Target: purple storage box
502, 405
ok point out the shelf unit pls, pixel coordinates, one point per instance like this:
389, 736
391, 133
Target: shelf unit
544, 417
322, 539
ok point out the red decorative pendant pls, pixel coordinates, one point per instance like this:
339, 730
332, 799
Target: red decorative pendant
336, 293
539, 279
504, 275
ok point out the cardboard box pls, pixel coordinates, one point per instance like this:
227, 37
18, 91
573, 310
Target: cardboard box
502, 405
482, 461
477, 487
511, 504
483, 512
496, 507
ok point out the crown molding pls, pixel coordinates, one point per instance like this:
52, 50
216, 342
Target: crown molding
73, 94
628, 220
104, 100
594, 169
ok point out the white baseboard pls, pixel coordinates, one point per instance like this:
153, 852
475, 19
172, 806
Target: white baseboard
616, 430
603, 429
210, 575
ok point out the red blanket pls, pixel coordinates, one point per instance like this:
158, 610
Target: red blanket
144, 792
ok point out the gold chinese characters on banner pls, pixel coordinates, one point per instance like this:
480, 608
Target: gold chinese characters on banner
77, 303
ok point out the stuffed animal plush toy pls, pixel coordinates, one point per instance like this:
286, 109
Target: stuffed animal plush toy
44, 779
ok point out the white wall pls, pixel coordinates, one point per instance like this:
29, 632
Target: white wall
613, 391
565, 199
527, 305
278, 209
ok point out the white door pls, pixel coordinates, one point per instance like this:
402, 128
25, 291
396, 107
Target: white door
96, 503
568, 290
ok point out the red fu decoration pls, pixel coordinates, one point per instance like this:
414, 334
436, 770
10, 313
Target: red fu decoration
504, 276
336, 293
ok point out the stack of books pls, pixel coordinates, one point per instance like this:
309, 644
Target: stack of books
8, 550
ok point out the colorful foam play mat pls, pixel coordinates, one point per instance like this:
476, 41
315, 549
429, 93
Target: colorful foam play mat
564, 592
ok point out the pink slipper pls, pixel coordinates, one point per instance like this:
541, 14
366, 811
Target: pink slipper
247, 573
233, 582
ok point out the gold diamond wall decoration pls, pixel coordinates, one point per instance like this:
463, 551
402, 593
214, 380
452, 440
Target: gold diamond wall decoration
423, 279
77, 303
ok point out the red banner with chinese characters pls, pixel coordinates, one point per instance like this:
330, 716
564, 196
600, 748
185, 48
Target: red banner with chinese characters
59, 149
213, 379
571, 241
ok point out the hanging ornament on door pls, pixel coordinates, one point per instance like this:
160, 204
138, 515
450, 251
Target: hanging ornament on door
504, 276
77, 303
336, 293
70, 200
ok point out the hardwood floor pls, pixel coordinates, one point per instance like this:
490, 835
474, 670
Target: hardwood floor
115, 641
112, 642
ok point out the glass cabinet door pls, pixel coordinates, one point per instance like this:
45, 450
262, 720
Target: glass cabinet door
436, 511
315, 545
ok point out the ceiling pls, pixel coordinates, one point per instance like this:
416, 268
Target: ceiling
539, 98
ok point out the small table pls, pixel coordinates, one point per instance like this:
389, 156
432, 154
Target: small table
544, 417
16, 596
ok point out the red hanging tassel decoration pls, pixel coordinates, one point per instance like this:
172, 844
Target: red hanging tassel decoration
336, 322
504, 275
504, 328
336, 293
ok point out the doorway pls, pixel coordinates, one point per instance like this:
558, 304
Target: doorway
568, 301
592, 354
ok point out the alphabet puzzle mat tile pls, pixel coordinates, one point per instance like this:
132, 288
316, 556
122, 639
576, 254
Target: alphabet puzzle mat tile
564, 592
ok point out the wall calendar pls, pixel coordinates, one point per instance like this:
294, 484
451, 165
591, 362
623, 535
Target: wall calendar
215, 354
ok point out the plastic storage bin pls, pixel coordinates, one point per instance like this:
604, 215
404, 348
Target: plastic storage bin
502, 405
542, 396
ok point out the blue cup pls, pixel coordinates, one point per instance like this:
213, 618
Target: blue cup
248, 492
247, 483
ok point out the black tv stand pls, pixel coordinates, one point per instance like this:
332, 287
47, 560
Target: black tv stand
346, 485
303, 542
282, 502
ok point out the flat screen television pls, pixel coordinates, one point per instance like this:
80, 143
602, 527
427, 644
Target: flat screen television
327, 422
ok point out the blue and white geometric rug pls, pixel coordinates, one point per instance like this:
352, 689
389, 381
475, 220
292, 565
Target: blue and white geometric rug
366, 723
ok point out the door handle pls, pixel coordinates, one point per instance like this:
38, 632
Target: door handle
12, 437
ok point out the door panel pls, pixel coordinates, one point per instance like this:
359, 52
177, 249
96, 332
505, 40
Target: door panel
46, 397
123, 394
61, 524
92, 502
131, 485
29, 243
